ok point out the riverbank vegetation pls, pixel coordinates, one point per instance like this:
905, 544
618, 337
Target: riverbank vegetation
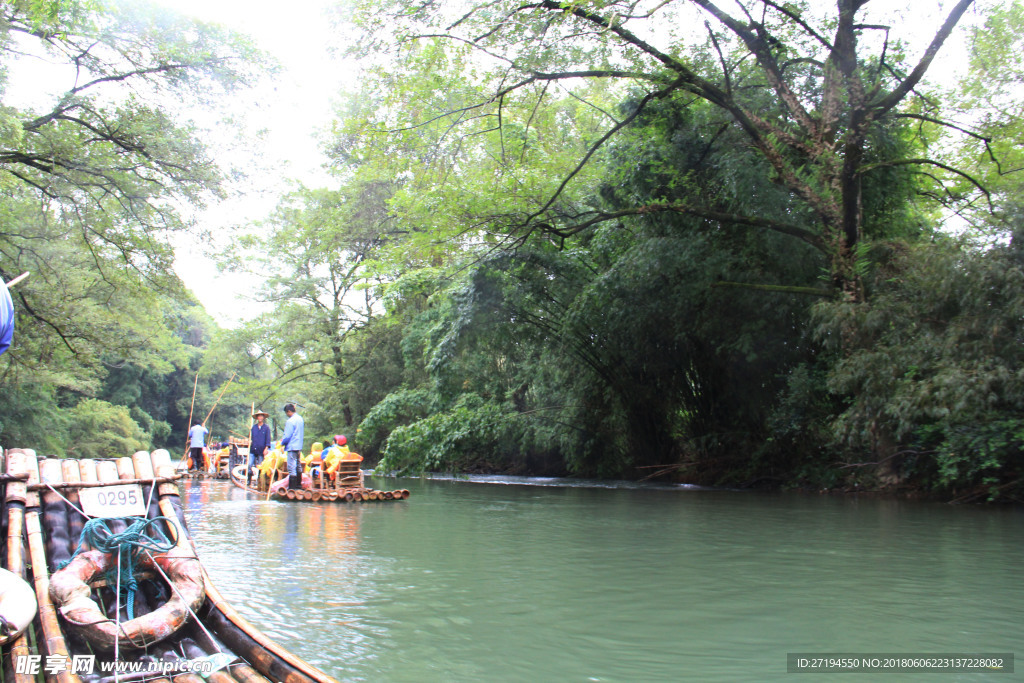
759, 244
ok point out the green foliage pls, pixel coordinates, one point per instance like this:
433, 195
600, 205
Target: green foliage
446, 440
933, 364
93, 185
98, 429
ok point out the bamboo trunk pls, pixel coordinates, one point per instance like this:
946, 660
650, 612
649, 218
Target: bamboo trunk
72, 474
15, 501
52, 637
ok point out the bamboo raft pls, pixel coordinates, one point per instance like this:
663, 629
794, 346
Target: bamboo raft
42, 523
348, 488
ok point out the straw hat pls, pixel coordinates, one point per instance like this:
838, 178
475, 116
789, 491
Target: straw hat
260, 412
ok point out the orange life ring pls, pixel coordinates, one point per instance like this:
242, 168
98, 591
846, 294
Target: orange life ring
70, 591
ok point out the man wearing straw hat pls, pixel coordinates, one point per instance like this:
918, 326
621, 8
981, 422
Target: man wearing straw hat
259, 442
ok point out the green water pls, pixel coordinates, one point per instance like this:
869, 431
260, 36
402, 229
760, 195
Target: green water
490, 582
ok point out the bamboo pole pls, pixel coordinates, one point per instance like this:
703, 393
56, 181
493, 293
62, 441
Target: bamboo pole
19, 278
233, 374
272, 480
53, 638
191, 410
225, 388
93, 484
15, 500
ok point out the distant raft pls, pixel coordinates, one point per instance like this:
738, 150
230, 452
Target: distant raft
170, 620
346, 487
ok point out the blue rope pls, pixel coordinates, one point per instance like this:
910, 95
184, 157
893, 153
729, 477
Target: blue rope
128, 544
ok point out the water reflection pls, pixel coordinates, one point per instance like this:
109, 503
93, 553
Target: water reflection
472, 582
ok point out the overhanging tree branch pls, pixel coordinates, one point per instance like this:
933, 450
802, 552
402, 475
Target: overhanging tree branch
687, 209
946, 167
896, 96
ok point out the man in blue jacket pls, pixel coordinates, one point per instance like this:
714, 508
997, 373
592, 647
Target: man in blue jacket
292, 444
196, 438
6, 318
259, 442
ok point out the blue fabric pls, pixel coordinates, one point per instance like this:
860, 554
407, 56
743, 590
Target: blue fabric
293, 462
197, 434
6, 318
294, 430
259, 439
254, 460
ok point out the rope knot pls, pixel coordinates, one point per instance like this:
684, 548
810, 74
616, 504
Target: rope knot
141, 534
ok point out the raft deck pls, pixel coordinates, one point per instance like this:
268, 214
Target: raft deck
42, 522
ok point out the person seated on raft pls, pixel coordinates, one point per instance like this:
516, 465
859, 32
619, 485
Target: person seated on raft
275, 460
337, 454
222, 454
313, 462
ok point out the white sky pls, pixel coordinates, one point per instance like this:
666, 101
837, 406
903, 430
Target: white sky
292, 110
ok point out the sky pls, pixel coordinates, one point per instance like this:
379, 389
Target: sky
292, 109
282, 120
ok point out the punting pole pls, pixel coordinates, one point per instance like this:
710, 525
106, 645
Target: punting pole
233, 374
16, 495
19, 278
191, 410
53, 638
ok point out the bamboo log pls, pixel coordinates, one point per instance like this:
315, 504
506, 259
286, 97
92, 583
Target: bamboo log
59, 544
244, 673
125, 470
72, 474
188, 678
306, 494
193, 652
290, 494
315, 496
405, 494
52, 637
15, 500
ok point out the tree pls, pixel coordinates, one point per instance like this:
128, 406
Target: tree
316, 256
809, 93
92, 186
932, 369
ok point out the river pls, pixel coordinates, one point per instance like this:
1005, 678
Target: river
510, 581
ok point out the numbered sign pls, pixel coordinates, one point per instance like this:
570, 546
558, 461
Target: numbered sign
123, 500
